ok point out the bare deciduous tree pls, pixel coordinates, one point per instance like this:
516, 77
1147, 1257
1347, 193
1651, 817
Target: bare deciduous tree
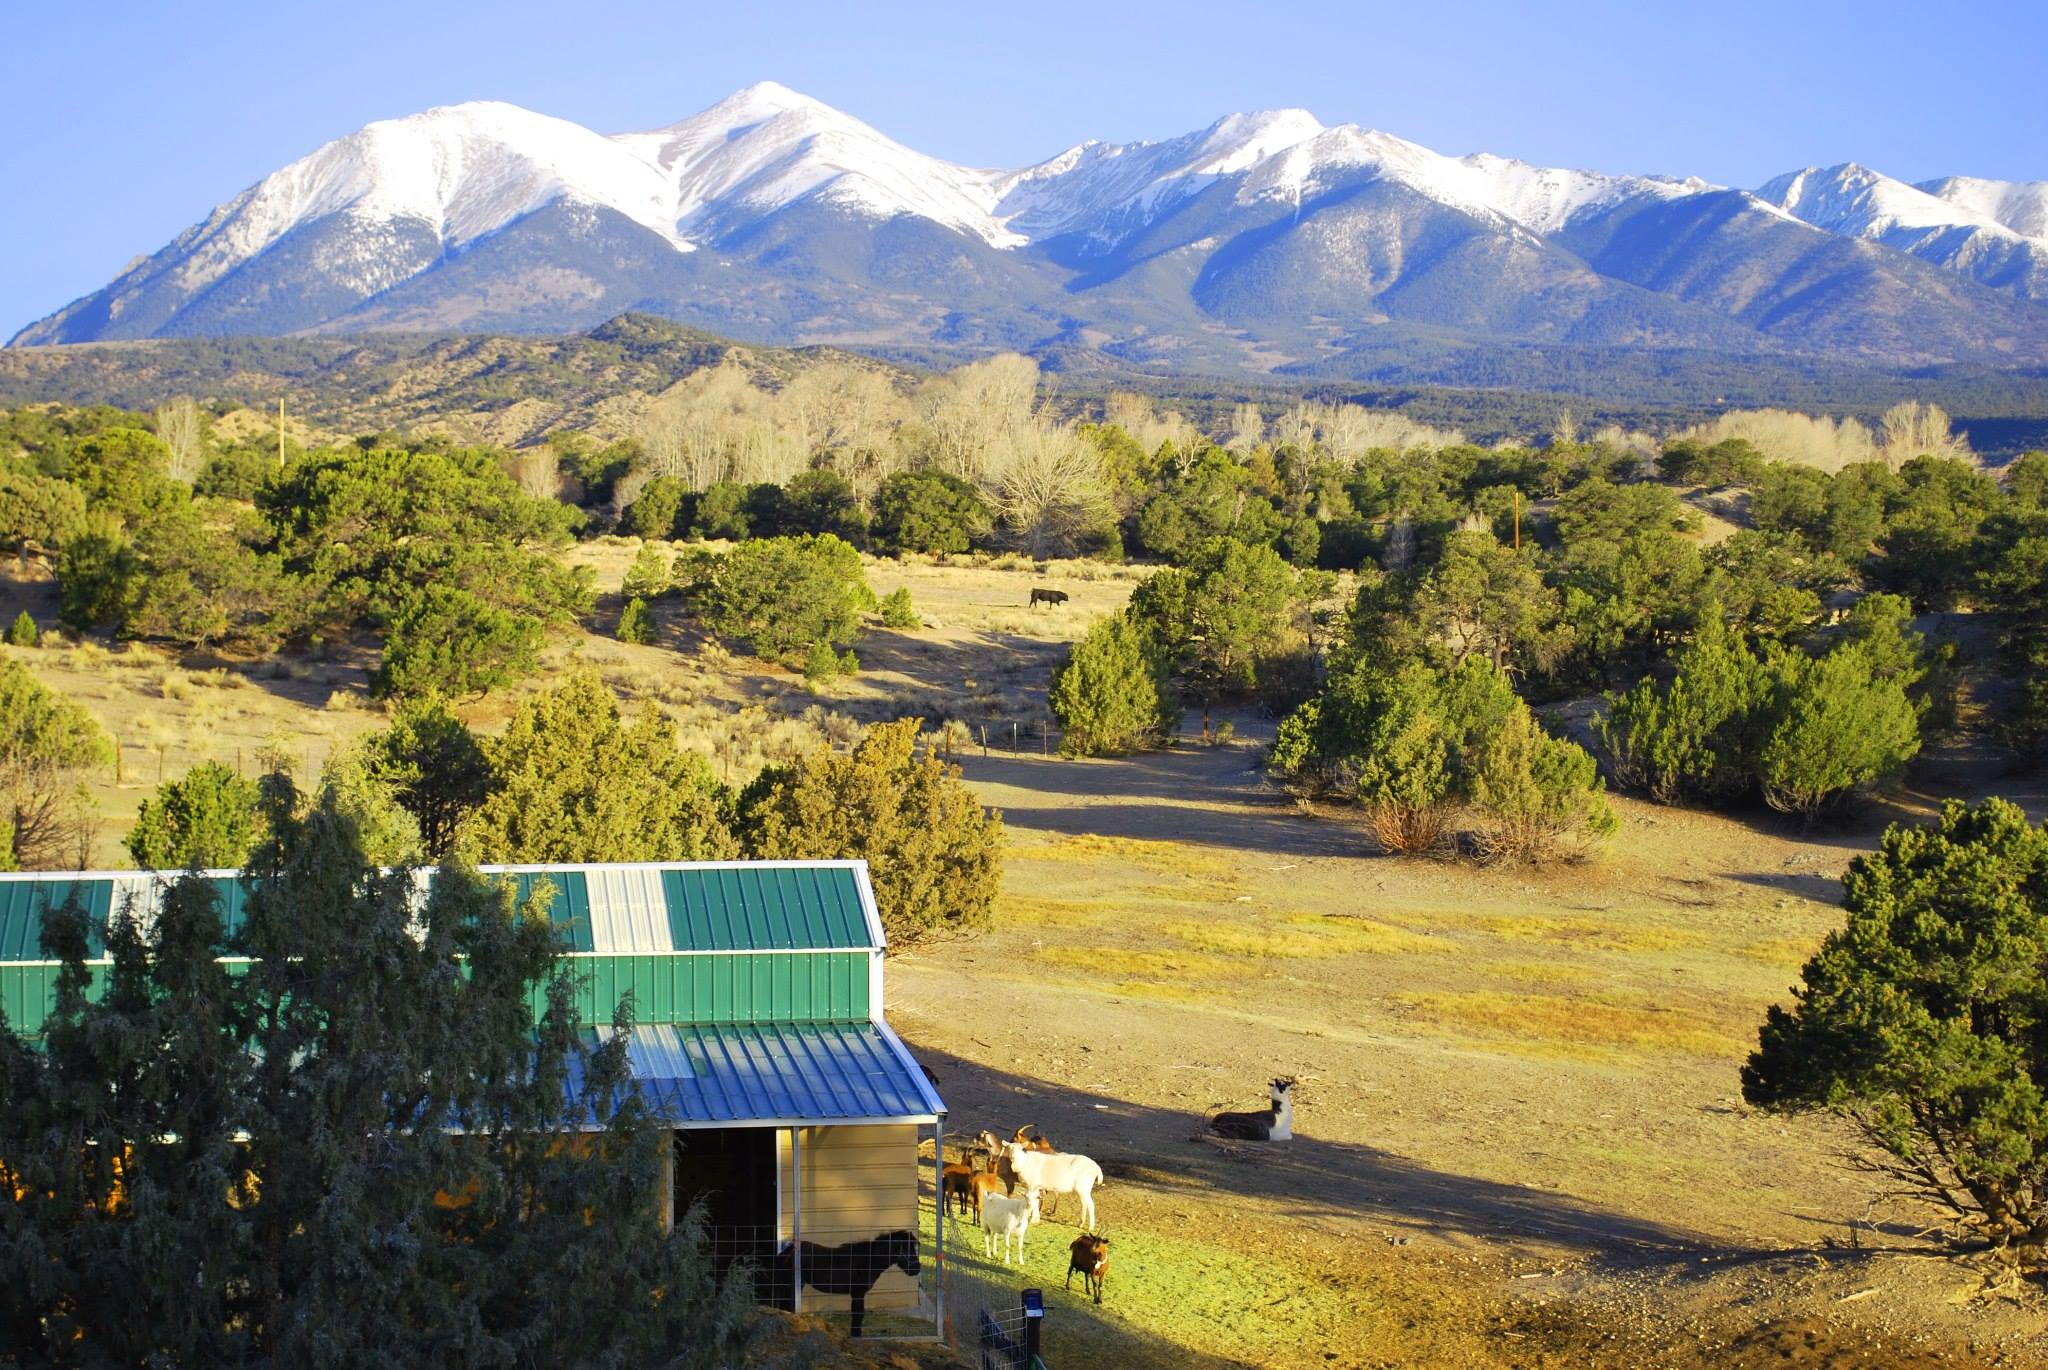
183, 429
1806, 440
1051, 491
538, 471
1912, 429
1247, 428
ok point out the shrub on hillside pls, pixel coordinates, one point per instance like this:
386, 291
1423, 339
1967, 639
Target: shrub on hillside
933, 852
1804, 729
1691, 738
37, 514
1414, 745
654, 513
1228, 623
898, 611
99, 577
446, 641
23, 631
47, 747
820, 501
788, 597
1836, 725
636, 625
208, 818
1539, 798
434, 768
649, 576
929, 511
1918, 1022
720, 512
572, 780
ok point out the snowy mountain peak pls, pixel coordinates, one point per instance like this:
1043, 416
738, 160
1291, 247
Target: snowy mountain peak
2021, 206
767, 147
1853, 199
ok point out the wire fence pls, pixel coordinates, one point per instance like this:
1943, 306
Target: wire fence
871, 1285
989, 1325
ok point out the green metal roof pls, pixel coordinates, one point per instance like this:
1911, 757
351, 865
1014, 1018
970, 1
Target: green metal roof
756, 985
621, 909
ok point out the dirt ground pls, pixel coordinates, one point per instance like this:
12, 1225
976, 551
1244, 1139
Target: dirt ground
1519, 1133
1519, 1137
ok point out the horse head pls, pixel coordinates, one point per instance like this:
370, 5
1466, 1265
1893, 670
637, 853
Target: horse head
901, 1249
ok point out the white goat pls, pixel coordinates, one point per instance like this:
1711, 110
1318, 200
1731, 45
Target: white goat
1056, 1172
1002, 1219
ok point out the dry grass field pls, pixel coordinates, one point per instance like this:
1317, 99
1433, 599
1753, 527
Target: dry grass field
1519, 1139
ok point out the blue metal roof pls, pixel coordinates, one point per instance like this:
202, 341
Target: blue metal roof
644, 908
765, 1073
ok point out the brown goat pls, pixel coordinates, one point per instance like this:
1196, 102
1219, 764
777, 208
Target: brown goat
1038, 1143
958, 1184
984, 1184
1089, 1255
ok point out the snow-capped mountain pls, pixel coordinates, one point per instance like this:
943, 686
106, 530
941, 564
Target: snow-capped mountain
1266, 240
1962, 230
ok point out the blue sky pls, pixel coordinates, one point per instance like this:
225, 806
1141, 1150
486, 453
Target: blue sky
126, 121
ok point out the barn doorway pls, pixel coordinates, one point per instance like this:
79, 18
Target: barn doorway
731, 1171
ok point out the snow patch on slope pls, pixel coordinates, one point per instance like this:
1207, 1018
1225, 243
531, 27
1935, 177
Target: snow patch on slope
2021, 206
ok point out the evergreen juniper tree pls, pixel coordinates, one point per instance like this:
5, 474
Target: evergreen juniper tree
1919, 1021
1111, 695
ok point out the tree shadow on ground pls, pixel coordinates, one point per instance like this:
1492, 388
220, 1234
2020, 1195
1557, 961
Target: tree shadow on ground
1309, 1178
1331, 1188
1212, 795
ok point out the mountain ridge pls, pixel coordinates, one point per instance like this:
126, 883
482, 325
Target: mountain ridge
1266, 242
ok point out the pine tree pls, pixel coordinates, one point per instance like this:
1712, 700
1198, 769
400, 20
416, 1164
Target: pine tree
255, 1167
23, 631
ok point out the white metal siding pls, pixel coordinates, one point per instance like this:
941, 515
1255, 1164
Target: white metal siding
145, 891
628, 913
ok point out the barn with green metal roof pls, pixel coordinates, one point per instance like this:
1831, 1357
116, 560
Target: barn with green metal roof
759, 1038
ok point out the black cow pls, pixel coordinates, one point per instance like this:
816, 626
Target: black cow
1041, 595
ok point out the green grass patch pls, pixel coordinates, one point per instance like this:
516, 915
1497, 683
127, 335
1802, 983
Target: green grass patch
1590, 934
1590, 1024
1364, 936
1169, 1301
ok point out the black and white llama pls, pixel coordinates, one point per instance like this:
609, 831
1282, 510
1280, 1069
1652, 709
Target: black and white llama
1274, 1124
